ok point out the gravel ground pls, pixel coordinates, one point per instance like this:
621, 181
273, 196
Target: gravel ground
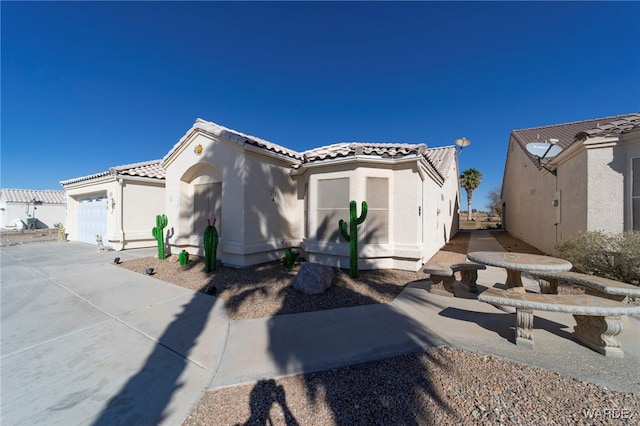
13, 238
440, 386
265, 290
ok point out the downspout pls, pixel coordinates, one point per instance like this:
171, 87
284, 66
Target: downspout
120, 214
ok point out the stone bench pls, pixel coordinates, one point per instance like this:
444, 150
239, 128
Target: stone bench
442, 276
596, 286
597, 319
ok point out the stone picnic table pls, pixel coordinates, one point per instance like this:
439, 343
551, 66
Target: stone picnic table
516, 263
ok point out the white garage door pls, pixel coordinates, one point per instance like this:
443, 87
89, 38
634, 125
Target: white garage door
92, 219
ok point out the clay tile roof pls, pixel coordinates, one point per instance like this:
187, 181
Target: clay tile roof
568, 133
237, 137
47, 196
345, 149
146, 169
441, 158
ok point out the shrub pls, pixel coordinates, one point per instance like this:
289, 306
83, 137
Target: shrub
614, 256
290, 258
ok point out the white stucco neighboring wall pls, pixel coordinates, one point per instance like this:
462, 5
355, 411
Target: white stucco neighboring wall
47, 214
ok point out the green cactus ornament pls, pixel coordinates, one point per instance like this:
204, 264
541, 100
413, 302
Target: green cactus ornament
210, 246
183, 257
158, 234
352, 236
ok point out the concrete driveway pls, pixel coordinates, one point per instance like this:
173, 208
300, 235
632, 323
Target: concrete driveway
87, 342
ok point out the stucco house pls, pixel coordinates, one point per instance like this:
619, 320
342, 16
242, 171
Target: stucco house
22, 208
266, 198
119, 204
592, 184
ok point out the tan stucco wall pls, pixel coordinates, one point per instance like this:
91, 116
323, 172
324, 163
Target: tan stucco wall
605, 205
593, 190
573, 187
253, 228
529, 195
141, 202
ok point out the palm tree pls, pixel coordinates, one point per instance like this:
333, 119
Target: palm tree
470, 179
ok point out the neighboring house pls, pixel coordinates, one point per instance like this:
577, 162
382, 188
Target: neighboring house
120, 205
266, 198
592, 184
22, 208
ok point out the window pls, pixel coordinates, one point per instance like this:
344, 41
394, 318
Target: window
635, 193
333, 205
376, 225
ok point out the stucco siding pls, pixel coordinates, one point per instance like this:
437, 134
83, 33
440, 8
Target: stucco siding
141, 202
592, 190
217, 161
605, 179
573, 187
260, 213
47, 214
273, 214
416, 231
529, 194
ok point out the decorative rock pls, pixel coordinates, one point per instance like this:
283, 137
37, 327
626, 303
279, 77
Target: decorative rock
313, 278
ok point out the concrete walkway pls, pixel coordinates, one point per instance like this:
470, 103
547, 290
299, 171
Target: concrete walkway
85, 342
265, 348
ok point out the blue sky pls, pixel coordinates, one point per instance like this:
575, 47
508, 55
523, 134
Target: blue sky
87, 85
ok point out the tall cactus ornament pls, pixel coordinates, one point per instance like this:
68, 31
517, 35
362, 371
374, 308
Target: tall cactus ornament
158, 234
210, 246
352, 236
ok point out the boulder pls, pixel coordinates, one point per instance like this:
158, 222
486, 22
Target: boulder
313, 278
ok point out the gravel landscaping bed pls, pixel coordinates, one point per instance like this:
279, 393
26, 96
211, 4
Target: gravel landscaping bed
265, 290
436, 387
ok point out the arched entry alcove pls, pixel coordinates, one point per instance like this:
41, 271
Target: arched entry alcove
200, 201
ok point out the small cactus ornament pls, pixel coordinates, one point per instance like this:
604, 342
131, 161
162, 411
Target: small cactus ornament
183, 257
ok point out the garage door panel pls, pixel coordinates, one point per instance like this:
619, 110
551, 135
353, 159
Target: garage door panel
92, 219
